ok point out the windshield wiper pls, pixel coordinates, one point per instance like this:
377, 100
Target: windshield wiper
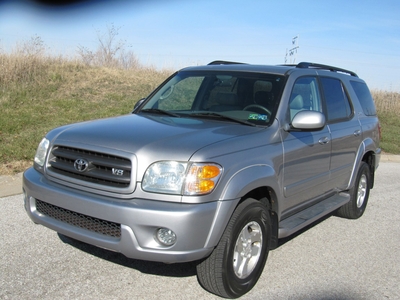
221, 116
160, 111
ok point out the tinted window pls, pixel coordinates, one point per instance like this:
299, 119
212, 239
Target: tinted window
364, 95
221, 95
305, 96
337, 102
181, 95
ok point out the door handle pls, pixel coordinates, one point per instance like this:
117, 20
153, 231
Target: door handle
323, 140
357, 132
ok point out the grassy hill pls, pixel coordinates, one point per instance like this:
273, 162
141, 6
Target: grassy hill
38, 93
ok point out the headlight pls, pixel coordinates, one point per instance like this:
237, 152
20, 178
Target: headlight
165, 177
41, 152
181, 178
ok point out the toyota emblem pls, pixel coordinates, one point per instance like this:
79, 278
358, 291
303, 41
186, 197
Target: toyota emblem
81, 164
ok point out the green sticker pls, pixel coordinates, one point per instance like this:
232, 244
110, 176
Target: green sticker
258, 117
253, 117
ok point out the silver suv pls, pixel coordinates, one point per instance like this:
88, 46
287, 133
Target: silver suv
215, 166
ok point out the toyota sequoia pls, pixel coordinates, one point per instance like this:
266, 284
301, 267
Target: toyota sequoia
216, 165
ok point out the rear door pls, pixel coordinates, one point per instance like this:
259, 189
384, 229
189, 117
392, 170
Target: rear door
344, 128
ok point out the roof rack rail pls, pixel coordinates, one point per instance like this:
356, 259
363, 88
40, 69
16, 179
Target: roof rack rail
223, 62
307, 65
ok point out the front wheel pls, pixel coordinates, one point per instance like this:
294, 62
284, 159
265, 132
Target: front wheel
237, 262
359, 194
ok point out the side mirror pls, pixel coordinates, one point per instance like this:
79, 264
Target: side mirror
140, 102
308, 120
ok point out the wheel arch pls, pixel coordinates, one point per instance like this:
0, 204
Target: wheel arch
370, 158
249, 179
259, 182
267, 196
366, 153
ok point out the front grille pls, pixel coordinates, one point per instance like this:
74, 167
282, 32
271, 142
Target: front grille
104, 227
104, 169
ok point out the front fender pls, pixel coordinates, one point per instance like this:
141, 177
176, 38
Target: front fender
248, 179
240, 184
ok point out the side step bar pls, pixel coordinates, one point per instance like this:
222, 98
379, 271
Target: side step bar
306, 217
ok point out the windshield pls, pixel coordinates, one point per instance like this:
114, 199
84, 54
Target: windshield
250, 98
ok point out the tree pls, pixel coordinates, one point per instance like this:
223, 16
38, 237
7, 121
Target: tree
33, 47
110, 51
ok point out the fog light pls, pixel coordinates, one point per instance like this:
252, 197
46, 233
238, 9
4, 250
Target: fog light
166, 236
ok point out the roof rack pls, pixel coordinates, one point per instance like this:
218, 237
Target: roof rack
307, 65
223, 62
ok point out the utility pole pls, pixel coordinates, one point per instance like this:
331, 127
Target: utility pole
293, 51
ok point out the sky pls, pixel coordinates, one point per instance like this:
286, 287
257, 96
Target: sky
359, 35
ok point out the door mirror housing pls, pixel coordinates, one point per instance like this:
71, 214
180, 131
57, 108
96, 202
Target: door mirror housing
308, 120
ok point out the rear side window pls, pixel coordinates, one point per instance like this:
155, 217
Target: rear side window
337, 102
365, 98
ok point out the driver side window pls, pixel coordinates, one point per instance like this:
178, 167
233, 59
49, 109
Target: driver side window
305, 96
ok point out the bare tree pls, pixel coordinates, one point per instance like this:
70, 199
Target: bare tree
110, 51
33, 47
108, 45
86, 55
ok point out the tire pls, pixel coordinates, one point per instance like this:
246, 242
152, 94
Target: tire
236, 264
359, 195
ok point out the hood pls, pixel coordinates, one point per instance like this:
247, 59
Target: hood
159, 137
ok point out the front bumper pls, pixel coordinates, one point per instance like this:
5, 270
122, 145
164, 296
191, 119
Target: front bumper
197, 226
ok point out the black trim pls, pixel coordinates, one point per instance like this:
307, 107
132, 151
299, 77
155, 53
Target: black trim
223, 62
307, 65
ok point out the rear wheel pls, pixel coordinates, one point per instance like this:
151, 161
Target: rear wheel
237, 262
358, 195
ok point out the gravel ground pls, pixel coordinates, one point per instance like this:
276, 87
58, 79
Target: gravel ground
335, 259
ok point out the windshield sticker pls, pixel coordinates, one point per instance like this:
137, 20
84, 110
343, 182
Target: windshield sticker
258, 117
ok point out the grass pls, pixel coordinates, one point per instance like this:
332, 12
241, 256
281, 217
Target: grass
38, 93
388, 107
390, 142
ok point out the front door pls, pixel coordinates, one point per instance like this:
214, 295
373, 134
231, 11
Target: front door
306, 153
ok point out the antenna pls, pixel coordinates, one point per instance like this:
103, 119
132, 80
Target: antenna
293, 51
